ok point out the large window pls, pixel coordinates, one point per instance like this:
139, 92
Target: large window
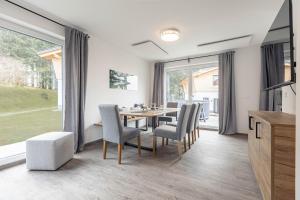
30, 87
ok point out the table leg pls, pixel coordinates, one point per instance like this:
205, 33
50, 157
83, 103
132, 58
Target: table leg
137, 124
146, 124
154, 125
134, 145
125, 120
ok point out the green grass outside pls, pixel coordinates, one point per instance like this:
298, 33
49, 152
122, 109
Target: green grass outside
14, 99
21, 126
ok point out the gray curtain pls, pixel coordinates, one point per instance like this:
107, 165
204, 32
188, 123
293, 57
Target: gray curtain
158, 84
76, 63
227, 108
272, 73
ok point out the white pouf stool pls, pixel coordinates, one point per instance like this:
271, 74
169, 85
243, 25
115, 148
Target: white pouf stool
49, 151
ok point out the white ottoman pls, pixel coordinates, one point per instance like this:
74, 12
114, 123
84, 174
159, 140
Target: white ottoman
49, 151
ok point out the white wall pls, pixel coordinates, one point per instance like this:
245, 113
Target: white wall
247, 81
102, 57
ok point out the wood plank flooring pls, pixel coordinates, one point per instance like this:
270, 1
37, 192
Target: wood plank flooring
216, 168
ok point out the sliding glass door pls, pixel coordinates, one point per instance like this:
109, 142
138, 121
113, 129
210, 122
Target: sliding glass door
205, 90
196, 84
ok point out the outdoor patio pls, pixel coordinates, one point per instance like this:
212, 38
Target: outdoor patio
211, 123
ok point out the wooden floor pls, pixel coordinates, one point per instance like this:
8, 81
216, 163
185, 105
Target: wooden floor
217, 167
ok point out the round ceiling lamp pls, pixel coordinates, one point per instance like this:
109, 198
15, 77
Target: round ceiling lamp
169, 35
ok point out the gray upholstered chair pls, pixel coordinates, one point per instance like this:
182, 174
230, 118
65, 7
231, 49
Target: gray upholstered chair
197, 120
191, 124
169, 117
175, 133
114, 132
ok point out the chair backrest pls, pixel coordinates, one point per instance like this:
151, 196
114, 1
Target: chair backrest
197, 118
172, 105
111, 123
191, 120
182, 121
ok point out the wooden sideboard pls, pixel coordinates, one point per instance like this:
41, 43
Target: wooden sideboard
271, 142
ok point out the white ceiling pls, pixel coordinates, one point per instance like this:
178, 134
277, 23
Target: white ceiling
124, 22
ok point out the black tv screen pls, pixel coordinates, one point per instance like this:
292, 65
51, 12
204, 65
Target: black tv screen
277, 50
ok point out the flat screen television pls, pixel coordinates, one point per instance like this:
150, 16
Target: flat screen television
277, 50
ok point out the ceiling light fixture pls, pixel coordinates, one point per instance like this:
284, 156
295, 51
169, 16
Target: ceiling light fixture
169, 35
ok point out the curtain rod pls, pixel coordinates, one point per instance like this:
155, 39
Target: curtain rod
38, 14
56, 22
188, 59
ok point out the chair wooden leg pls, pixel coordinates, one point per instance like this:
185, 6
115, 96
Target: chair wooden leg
104, 149
139, 144
195, 135
192, 137
163, 141
198, 130
189, 140
167, 141
119, 153
184, 140
179, 146
154, 145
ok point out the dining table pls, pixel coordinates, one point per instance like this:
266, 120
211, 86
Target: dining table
151, 113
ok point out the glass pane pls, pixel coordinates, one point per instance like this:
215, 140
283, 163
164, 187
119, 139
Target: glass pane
205, 91
30, 87
178, 86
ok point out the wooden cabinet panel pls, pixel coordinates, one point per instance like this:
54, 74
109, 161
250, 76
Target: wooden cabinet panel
252, 141
284, 131
284, 151
284, 181
272, 153
264, 132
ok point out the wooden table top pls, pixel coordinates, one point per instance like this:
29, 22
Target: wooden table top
149, 113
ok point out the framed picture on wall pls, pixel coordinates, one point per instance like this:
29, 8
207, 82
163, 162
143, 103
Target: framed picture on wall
123, 81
